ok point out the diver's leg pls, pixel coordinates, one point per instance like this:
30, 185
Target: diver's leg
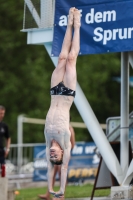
70, 76
59, 71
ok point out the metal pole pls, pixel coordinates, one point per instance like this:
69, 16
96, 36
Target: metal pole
124, 156
97, 134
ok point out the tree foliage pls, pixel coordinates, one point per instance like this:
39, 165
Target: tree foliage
25, 72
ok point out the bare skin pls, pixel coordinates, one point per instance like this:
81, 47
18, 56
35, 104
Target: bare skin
8, 140
57, 168
57, 131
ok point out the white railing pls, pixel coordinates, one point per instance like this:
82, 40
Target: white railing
26, 161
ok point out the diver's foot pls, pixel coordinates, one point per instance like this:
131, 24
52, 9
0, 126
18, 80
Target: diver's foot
71, 16
77, 18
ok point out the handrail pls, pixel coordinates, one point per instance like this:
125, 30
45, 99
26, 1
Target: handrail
118, 127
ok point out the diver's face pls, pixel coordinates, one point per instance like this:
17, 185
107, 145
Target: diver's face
55, 153
2, 114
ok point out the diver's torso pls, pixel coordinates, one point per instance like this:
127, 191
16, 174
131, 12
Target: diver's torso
57, 121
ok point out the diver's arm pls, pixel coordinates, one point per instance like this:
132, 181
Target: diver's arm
50, 172
72, 138
64, 168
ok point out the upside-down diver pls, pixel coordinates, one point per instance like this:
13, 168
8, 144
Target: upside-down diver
63, 86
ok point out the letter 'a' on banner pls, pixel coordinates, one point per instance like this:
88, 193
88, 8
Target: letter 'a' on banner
106, 25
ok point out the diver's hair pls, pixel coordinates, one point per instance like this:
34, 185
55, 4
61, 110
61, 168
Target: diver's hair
57, 162
2, 107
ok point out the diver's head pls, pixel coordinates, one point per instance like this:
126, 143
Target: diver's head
56, 153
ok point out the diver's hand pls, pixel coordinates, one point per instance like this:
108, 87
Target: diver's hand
52, 192
59, 194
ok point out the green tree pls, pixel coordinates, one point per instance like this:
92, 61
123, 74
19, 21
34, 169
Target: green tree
25, 72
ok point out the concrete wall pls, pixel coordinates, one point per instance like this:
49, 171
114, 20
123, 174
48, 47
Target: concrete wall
3, 188
5, 194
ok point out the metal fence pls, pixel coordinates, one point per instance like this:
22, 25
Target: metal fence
21, 166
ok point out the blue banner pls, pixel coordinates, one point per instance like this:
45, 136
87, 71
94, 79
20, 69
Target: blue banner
40, 163
106, 25
83, 163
